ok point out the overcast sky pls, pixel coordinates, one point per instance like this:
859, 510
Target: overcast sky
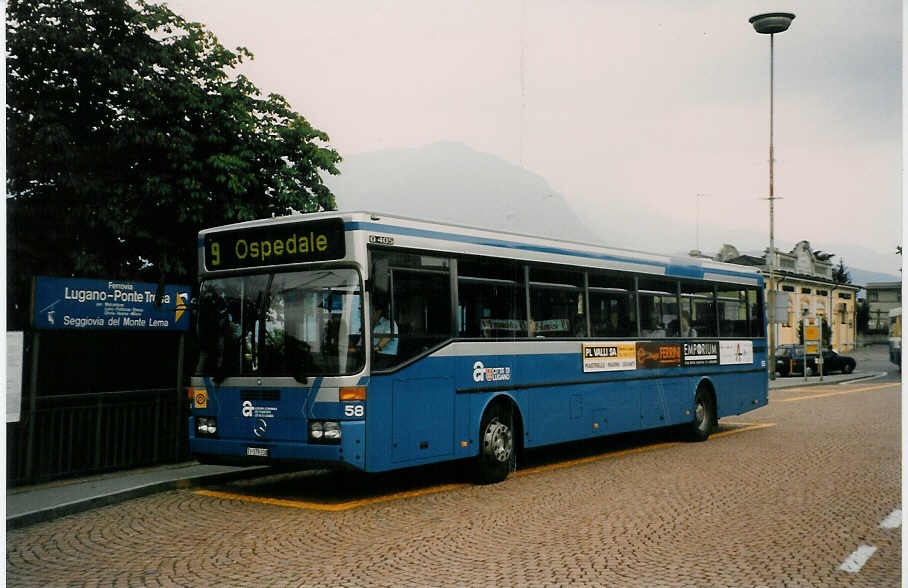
628, 109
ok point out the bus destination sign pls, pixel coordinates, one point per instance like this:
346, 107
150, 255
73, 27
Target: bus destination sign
275, 245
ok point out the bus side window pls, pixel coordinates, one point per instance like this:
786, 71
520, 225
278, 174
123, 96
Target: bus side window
422, 310
658, 307
698, 301
732, 311
414, 291
491, 299
755, 304
557, 308
613, 310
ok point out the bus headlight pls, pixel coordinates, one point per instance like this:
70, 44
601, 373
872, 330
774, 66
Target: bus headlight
324, 432
206, 426
332, 431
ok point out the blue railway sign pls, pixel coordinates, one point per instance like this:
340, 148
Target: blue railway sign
73, 303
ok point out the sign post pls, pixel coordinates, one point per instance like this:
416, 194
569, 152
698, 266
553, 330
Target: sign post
812, 343
79, 304
84, 304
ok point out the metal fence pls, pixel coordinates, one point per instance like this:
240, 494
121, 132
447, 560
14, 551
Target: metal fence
82, 434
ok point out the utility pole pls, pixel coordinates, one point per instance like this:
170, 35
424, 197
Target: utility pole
770, 24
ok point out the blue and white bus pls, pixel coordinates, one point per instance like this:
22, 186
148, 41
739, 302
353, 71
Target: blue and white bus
378, 342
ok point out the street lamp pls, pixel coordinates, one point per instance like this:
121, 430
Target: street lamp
770, 24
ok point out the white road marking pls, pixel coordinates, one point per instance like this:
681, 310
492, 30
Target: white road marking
857, 559
864, 379
893, 520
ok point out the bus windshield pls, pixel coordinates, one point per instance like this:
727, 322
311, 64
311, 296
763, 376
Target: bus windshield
298, 324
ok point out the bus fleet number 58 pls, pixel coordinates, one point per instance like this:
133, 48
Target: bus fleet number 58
355, 411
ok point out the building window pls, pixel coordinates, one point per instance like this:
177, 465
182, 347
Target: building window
822, 293
846, 295
805, 290
788, 288
872, 296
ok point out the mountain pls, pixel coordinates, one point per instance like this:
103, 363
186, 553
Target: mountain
450, 182
860, 277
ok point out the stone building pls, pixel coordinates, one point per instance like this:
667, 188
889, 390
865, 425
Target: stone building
881, 298
804, 283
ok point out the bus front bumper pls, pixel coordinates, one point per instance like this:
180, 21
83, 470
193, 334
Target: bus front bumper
248, 452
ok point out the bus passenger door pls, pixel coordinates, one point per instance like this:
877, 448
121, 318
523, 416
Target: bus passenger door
422, 418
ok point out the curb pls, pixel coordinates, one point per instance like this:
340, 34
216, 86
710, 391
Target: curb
25, 519
814, 381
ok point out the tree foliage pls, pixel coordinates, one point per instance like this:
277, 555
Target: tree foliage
128, 131
862, 316
841, 275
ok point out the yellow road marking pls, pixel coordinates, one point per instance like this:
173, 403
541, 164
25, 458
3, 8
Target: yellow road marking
445, 487
837, 393
745, 427
330, 507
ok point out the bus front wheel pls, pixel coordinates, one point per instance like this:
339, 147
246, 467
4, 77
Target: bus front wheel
497, 455
704, 416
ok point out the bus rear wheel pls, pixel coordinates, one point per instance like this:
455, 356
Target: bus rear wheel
497, 456
704, 416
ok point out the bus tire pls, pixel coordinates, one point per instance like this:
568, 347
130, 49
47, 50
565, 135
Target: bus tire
497, 450
704, 416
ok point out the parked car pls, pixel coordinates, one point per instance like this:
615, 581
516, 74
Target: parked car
790, 360
833, 361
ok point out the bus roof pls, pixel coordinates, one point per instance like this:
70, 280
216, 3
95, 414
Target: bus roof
412, 233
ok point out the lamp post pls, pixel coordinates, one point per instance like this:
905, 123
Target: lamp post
770, 24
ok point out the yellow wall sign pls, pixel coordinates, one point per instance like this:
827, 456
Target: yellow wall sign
200, 397
811, 334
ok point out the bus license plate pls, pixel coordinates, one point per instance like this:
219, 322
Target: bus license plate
257, 451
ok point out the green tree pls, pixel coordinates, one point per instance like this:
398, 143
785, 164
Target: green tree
863, 316
128, 130
841, 275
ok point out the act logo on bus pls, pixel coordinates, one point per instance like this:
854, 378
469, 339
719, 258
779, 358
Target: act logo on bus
493, 374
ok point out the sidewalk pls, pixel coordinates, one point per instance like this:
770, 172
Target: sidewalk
798, 379
32, 504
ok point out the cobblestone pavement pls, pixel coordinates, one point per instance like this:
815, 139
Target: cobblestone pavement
783, 505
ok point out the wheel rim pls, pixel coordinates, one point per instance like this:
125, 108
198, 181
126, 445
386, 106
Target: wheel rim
700, 415
498, 441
